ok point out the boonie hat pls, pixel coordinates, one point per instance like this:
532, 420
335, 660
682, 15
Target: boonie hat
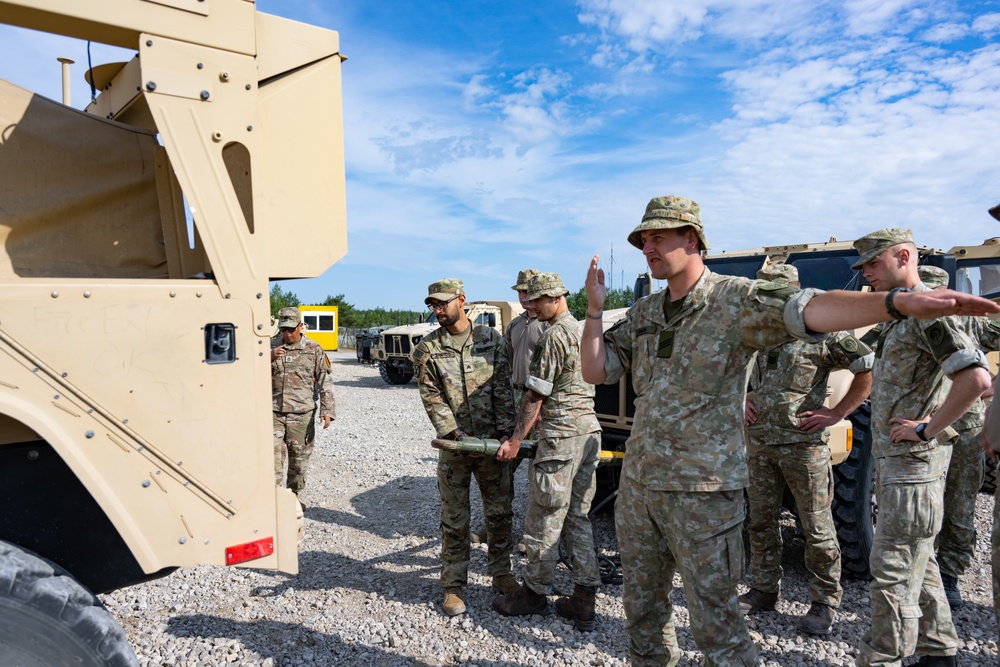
871, 246
288, 318
933, 276
522, 279
669, 213
779, 273
546, 284
444, 290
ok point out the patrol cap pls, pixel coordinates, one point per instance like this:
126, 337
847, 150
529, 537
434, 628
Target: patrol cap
669, 213
444, 290
288, 318
522, 279
546, 284
779, 273
871, 246
933, 276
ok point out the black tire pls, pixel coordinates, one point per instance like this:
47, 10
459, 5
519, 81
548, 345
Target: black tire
854, 508
989, 476
47, 619
393, 375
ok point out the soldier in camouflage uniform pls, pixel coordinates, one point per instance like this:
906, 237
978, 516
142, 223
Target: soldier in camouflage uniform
786, 425
956, 542
912, 404
300, 375
464, 378
680, 504
561, 477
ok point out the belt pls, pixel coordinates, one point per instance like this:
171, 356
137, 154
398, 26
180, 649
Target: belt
519, 387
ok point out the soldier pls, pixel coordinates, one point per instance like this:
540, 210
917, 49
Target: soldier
680, 503
786, 425
464, 378
300, 374
561, 477
911, 406
956, 542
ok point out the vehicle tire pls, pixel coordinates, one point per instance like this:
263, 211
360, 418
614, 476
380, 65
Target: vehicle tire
48, 619
393, 375
854, 508
989, 476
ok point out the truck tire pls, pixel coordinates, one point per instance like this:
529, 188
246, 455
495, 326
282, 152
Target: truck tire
989, 476
47, 619
854, 509
393, 375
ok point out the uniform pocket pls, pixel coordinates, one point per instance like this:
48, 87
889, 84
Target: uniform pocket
551, 482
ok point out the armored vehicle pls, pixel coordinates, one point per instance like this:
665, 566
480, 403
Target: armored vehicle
139, 236
393, 350
973, 269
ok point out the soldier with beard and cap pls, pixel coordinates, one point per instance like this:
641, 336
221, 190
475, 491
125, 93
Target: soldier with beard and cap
463, 374
680, 503
786, 429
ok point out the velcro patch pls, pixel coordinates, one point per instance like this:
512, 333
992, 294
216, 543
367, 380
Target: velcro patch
772, 359
942, 344
665, 346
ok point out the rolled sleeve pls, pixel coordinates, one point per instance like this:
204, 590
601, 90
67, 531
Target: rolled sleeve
862, 364
538, 385
962, 359
794, 316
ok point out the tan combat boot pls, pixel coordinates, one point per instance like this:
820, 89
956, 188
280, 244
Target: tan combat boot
755, 600
522, 602
579, 608
453, 604
506, 583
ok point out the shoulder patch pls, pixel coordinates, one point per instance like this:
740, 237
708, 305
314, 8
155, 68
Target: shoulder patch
994, 326
941, 342
850, 344
418, 354
935, 334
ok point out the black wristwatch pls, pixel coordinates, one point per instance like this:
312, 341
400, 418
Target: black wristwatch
919, 430
890, 306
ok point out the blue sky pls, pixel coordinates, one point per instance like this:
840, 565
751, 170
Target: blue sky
486, 137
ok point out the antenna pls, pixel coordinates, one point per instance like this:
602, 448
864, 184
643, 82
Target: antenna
611, 270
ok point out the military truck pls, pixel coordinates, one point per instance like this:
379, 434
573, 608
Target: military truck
973, 269
393, 350
139, 236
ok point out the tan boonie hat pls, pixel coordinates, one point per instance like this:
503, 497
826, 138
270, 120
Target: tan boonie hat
871, 246
779, 273
669, 213
288, 318
933, 276
522, 279
546, 284
444, 290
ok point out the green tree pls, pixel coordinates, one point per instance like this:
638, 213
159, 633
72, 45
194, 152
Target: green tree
346, 312
281, 299
617, 298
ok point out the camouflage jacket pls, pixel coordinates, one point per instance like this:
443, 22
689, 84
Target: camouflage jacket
555, 373
520, 339
986, 333
467, 388
913, 361
791, 378
302, 377
690, 377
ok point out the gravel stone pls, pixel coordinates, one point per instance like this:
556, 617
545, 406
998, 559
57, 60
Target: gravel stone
367, 591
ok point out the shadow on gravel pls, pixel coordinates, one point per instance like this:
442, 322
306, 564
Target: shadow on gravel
404, 506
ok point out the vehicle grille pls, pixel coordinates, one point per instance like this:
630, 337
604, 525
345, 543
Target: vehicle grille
396, 345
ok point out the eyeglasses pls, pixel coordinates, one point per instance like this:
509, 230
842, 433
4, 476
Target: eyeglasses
438, 305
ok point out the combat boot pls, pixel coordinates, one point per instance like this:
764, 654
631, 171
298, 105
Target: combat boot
506, 583
819, 620
755, 600
522, 602
938, 661
453, 604
479, 536
951, 591
579, 608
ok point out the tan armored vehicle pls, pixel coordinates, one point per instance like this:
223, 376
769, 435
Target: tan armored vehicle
973, 269
393, 350
138, 240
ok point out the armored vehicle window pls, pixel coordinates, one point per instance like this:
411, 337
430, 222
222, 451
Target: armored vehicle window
829, 270
979, 277
736, 266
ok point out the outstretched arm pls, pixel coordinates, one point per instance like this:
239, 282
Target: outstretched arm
838, 310
592, 350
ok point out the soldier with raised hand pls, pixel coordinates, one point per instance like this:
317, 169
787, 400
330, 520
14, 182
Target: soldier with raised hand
300, 375
463, 374
786, 426
912, 406
561, 477
680, 503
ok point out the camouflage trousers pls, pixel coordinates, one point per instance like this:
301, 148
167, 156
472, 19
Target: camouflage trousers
995, 544
294, 437
807, 471
699, 535
909, 610
454, 474
957, 540
560, 491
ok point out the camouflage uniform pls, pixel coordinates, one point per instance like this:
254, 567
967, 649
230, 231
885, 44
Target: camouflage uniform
909, 609
680, 504
468, 389
298, 380
788, 380
561, 476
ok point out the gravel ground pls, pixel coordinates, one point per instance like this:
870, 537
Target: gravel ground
367, 591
